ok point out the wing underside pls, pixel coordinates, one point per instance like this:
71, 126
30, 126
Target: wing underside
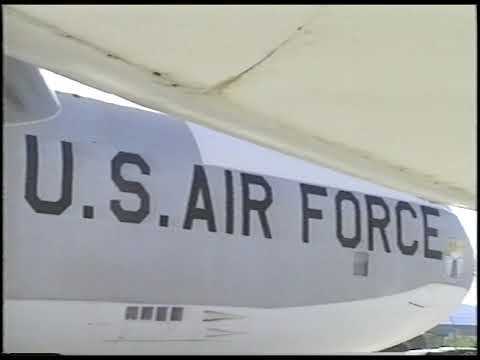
385, 93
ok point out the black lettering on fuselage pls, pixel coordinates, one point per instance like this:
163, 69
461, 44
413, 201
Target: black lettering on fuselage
379, 223
353, 241
260, 206
404, 249
307, 212
229, 202
199, 187
430, 232
31, 181
135, 216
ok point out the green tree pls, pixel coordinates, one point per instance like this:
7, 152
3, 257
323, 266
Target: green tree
461, 341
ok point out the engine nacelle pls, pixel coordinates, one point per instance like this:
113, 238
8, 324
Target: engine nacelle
27, 97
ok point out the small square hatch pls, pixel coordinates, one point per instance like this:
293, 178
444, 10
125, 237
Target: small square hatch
360, 264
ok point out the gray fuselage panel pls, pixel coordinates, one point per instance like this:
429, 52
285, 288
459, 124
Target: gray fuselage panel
107, 203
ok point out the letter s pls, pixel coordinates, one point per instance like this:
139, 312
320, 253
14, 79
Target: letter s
134, 187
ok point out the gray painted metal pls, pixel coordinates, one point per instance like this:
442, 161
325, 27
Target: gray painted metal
67, 257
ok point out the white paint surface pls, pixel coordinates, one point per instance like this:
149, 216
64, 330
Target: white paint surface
360, 326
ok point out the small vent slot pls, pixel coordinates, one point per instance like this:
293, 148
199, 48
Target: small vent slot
161, 313
147, 313
177, 314
131, 313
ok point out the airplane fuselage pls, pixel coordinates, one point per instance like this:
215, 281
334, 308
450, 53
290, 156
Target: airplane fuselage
121, 238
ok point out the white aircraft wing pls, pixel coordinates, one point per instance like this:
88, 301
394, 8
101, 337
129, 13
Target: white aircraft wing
385, 93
